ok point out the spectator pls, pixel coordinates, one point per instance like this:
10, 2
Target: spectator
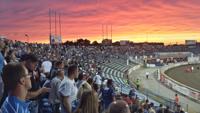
80, 80
1, 67
97, 79
108, 94
47, 65
147, 75
83, 88
1, 56
179, 110
53, 69
151, 108
136, 104
192, 68
17, 81
140, 110
137, 84
55, 66
2, 44
167, 110
88, 103
68, 90
146, 106
30, 61
119, 106
95, 89
54, 96
176, 100
160, 109
128, 100
89, 80
132, 93
10, 58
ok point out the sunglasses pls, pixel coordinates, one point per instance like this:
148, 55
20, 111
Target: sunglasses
60, 69
27, 75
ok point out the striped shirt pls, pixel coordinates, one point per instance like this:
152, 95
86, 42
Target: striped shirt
14, 105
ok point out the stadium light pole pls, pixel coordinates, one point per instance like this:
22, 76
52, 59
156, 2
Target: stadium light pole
27, 37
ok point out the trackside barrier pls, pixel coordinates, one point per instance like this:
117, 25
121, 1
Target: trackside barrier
177, 86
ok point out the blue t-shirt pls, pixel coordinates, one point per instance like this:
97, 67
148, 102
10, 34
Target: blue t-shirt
14, 105
1, 62
107, 96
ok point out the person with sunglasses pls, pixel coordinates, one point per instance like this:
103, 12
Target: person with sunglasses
17, 80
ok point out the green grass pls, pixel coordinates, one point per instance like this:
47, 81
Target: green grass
191, 79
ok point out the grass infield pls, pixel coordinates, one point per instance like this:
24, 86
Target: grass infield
191, 79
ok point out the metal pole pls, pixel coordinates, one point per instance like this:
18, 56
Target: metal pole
111, 31
50, 26
50, 22
55, 25
60, 24
102, 31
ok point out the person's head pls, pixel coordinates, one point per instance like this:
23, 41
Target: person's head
16, 76
167, 108
11, 53
80, 76
140, 110
89, 102
161, 106
147, 101
176, 95
109, 82
30, 61
119, 106
84, 87
73, 71
95, 87
2, 44
60, 72
59, 64
90, 81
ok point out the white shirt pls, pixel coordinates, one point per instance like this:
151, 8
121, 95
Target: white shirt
1, 86
54, 94
97, 79
47, 66
68, 88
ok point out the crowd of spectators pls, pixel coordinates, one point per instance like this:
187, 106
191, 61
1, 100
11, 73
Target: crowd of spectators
41, 78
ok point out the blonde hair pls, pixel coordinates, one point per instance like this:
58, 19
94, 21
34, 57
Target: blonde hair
84, 87
88, 103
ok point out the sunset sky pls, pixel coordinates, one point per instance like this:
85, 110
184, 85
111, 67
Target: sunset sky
168, 21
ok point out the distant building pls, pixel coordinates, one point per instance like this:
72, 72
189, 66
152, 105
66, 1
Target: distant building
107, 42
150, 43
124, 42
198, 44
55, 39
156, 43
2, 37
191, 43
164, 55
